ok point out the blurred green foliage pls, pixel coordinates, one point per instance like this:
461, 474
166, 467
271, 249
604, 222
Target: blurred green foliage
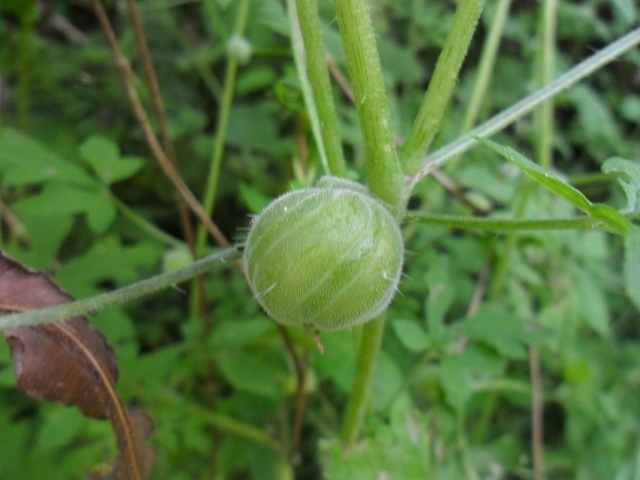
81, 197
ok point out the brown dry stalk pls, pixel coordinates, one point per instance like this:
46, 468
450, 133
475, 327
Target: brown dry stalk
158, 108
536, 414
125, 73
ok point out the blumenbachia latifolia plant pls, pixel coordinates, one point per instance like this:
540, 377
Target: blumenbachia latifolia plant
328, 257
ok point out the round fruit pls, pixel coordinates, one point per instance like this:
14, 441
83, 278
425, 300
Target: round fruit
328, 257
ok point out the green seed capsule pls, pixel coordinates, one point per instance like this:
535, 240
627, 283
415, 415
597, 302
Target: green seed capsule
328, 257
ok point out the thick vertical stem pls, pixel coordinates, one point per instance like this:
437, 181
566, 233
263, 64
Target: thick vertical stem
309, 18
441, 85
361, 384
545, 62
385, 177
487, 62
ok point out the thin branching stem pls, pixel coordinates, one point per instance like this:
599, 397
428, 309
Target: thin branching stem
441, 85
318, 75
527, 104
223, 115
117, 297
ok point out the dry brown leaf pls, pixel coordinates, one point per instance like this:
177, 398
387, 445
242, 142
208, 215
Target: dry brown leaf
72, 363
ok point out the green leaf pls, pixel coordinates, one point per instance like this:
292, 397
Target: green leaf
253, 199
595, 118
605, 213
108, 260
441, 292
236, 333
337, 362
104, 157
249, 372
271, 14
412, 337
631, 188
24, 161
398, 449
499, 329
57, 199
455, 380
61, 428
591, 302
386, 381
46, 234
631, 268
543, 176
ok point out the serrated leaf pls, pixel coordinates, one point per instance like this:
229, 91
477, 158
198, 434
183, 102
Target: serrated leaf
591, 302
455, 380
249, 372
412, 337
46, 234
253, 199
239, 333
271, 14
604, 213
499, 329
108, 260
397, 449
104, 158
631, 188
631, 267
24, 161
58, 199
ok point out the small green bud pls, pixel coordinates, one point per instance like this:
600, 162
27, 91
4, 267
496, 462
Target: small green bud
328, 257
239, 49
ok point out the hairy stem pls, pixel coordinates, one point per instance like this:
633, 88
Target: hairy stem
441, 85
117, 297
361, 384
385, 177
309, 18
507, 224
485, 68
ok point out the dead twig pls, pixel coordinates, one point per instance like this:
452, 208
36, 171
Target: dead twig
536, 414
124, 69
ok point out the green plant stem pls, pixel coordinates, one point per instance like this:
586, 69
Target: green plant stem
298, 49
223, 124
543, 126
221, 422
385, 177
441, 85
501, 269
146, 226
487, 62
309, 18
582, 179
362, 378
506, 224
543, 117
130, 292
524, 106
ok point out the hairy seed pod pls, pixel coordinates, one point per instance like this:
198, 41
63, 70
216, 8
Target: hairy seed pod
328, 257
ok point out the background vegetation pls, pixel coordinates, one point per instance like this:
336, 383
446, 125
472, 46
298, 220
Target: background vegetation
503, 352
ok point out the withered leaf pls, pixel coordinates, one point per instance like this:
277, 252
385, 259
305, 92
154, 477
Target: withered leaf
72, 363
